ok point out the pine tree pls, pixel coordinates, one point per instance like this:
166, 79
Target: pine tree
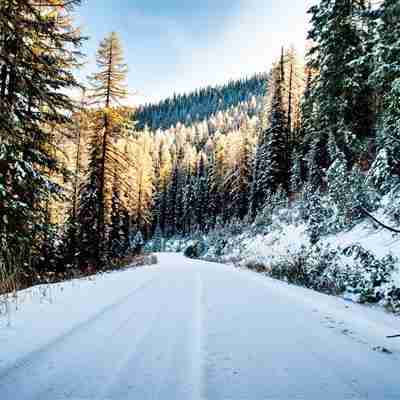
275, 162
158, 187
295, 173
107, 90
79, 129
162, 176
294, 86
340, 91
216, 180
316, 214
308, 129
201, 193
240, 178
90, 202
387, 46
178, 222
389, 136
256, 194
138, 243
272, 155
39, 47
118, 229
387, 78
172, 200
142, 186
108, 86
189, 203
338, 189
157, 240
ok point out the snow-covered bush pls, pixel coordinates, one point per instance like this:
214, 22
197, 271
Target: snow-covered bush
196, 249
391, 298
235, 227
379, 173
392, 204
319, 212
137, 243
276, 206
335, 271
347, 193
313, 267
291, 268
373, 276
156, 244
263, 219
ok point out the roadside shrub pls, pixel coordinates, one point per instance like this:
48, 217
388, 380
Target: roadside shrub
291, 268
151, 259
191, 251
374, 274
195, 250
391, 299
335, 271
254, 266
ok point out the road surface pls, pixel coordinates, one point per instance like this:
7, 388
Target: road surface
188, 329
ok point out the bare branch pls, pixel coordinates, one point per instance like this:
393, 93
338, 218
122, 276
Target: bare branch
379, 222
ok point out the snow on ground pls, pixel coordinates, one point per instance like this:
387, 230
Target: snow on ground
264, 248
379, 241
189, 329
288, 239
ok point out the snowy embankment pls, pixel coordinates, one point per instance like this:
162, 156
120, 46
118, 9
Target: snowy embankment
361, 264
292, 238
189, 329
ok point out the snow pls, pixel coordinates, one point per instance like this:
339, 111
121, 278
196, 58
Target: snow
380, 242
290, 238
188, 329
279, 242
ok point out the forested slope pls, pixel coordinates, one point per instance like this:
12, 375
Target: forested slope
201, 104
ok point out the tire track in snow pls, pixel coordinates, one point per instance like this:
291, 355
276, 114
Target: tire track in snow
167, 360
77, 329
115, 341
197, 358
123, 364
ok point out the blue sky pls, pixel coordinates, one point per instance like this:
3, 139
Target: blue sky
179, 45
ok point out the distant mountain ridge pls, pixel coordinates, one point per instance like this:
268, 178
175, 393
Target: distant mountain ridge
201, 104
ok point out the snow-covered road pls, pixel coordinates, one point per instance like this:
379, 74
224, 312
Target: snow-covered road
187, 329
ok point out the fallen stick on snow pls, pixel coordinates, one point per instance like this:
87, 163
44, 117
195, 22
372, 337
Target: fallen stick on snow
379, 222
393, 336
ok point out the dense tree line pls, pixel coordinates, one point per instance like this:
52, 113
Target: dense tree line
224, 169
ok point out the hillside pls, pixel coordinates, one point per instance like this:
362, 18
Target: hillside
201, 104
